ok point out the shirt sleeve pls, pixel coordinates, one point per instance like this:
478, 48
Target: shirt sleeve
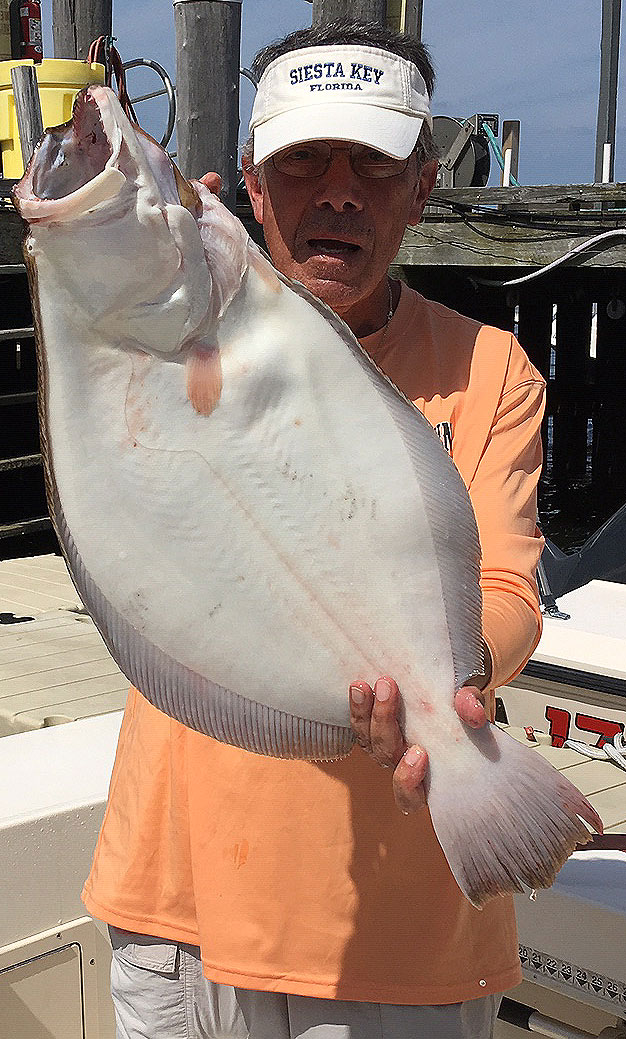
504, 495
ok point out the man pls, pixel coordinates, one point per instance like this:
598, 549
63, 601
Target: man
294, 898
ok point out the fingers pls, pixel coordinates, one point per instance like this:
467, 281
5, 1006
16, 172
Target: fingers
386, 739
469, 707
213, 182
373, 716
361, 701
374, 719
408, 776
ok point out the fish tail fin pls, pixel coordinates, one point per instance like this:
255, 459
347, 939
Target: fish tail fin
508, 817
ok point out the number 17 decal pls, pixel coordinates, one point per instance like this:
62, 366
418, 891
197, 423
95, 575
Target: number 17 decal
560, 721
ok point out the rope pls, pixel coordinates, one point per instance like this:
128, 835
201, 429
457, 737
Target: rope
615, 751
103, 51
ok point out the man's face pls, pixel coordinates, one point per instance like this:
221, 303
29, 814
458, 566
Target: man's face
338, 233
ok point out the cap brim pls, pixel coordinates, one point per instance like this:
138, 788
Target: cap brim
391, 132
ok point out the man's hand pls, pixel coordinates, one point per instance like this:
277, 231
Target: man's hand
374, 718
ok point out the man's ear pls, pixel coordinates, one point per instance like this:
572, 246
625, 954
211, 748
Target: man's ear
255, 191
425, 184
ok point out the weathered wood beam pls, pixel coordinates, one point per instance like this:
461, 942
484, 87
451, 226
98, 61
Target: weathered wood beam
27, 108
554, 193
400, 15
208, 36
361, 10
452, 243
77, 23
405, 16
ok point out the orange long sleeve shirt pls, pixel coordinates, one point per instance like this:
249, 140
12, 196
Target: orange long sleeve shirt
302, 877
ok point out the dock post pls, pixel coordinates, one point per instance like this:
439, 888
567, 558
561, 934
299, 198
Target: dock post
27, 108
360, 10
77, 23
208, 36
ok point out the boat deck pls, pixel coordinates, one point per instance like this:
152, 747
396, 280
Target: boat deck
55, 668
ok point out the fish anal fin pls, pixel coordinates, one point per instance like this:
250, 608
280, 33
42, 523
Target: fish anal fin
204, 378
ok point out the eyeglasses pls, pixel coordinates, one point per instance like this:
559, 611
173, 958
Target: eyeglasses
313, 159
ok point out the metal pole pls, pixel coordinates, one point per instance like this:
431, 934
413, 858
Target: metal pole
27, 109
208, 36
358, 10
607, 102
77, 23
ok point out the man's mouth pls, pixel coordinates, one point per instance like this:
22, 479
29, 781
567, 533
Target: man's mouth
332, 247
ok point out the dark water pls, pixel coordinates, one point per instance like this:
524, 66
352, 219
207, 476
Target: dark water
569, 516
571, 511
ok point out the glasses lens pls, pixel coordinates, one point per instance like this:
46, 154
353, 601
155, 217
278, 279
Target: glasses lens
313, 158
304, 160
368, 162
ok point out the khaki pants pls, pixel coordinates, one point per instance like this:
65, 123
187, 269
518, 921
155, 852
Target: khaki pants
159, 992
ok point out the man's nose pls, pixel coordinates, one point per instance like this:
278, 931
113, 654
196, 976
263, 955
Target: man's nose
339, 187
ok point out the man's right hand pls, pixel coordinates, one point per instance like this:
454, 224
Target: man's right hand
213, 182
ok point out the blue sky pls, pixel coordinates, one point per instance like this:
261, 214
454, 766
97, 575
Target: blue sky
537, 61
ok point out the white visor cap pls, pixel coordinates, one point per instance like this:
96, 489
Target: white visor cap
342, 93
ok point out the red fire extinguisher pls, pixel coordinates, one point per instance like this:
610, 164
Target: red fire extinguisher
26, 35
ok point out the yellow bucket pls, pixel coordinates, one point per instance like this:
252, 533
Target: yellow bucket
59, 81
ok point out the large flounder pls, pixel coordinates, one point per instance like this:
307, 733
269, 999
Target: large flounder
252, 513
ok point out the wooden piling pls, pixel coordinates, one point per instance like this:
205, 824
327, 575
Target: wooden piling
27, 108
208, 36
77, 23
360, 10
609, 443
569, 403
405, 16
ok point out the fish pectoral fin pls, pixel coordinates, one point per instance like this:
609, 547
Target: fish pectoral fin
204, 378
509, 825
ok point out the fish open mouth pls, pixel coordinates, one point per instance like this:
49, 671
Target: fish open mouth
70, 156
73, 167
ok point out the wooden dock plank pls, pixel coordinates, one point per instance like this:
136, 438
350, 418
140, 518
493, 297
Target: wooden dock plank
28, 665
58, 677
36, 585
40, 648
58, 624
113, 699
595, 777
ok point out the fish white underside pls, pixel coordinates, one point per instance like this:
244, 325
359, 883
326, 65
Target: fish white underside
280, 547
246, 565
